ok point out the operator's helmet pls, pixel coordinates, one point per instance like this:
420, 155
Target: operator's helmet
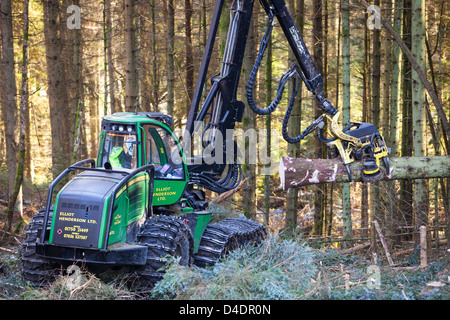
114, 156
129, 144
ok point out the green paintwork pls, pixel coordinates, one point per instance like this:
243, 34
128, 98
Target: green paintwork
202, 221
129, 206
53, 220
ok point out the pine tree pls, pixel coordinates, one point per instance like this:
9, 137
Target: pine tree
249, 123
9, 90
346, 203
417, 49
406, 186
170, 60
23, 112
295, 123
60, 115
319, 198
131, 85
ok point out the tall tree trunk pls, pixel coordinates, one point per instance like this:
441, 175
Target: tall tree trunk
396, 80
387, 74
9, 90
189, 54
69, 77
114, 104
268, 119
387, 189
131, 85
346, 202
393, 117
170, 56
155, 80
105, 57
365, 118
319, 149
93, 115
376, 207
29, 167
294, 126
77, 89
22, 122
417, 49
338, 5
249, 123
406, 186
376, 79
338, 50
57, 95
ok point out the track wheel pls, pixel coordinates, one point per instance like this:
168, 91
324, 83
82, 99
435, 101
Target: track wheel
37, 271
164, 236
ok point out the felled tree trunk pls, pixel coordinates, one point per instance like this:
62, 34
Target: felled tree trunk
296, 172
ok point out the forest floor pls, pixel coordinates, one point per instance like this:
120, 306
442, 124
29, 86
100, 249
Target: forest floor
299, 271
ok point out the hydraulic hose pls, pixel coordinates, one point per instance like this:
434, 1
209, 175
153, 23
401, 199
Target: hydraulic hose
293, 72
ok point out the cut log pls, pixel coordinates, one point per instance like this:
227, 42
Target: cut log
297, 172
356, 248
403, 252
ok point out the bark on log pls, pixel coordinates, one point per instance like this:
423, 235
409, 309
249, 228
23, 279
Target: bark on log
296, 172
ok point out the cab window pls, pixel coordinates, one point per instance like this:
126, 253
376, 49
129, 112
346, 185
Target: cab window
120, 150
163, 151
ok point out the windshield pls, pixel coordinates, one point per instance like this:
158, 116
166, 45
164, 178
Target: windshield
120, 150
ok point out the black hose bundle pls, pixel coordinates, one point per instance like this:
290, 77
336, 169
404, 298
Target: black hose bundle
293, 73
209, 180
229, 182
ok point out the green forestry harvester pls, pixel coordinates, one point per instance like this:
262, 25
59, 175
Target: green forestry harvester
144, 197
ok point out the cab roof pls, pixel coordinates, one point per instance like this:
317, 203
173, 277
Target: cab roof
131, 117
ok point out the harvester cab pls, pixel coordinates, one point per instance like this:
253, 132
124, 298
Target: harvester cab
132, 140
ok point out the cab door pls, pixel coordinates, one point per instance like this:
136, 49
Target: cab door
163, 150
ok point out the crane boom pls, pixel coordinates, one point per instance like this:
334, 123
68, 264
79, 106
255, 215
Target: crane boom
221, 109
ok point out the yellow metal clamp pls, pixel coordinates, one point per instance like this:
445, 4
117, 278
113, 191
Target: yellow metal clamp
337, 131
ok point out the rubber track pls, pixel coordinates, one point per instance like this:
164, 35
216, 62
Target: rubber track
161, 234
227, 235
36, 270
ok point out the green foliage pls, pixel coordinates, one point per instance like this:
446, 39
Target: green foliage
276, 269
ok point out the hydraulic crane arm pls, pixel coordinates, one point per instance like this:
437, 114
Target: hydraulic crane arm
221, 109
228, 80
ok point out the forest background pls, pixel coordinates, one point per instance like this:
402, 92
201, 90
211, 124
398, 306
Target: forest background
61, 75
